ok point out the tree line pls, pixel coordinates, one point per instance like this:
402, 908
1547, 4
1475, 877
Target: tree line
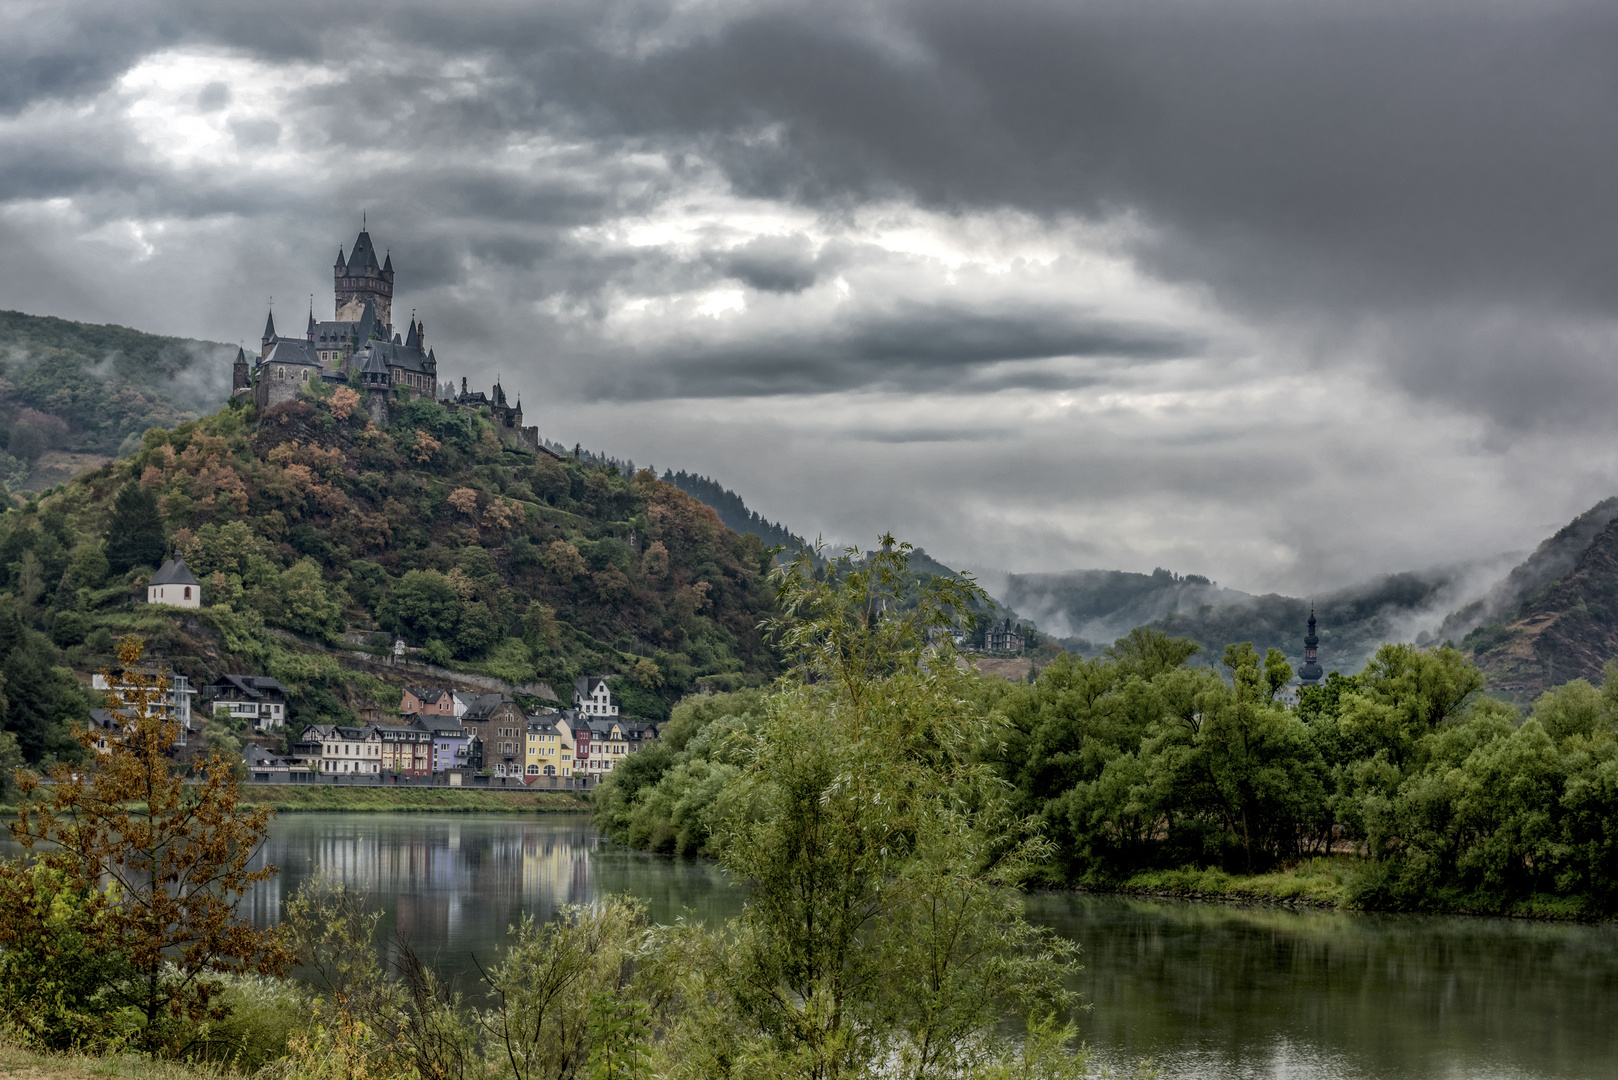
1429, 792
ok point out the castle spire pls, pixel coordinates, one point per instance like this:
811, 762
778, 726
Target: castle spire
269, 327
1311, 671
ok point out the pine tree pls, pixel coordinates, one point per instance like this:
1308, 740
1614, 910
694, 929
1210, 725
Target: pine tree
135, 531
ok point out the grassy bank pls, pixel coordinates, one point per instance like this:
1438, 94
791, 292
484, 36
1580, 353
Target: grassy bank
1349, 883
1312, 883
290, 798
32, 1065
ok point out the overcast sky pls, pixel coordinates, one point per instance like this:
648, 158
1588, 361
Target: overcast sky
1282, 293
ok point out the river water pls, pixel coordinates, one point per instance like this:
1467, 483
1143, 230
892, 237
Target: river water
1209, 992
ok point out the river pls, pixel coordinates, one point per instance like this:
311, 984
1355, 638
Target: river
1209, 992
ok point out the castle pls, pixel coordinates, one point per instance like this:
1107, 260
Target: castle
359, 348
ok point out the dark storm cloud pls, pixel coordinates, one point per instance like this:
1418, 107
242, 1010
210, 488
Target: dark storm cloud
907, 347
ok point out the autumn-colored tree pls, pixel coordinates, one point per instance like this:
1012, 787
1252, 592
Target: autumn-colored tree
172, 860
343, 401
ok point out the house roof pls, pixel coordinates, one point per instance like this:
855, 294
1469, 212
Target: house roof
174, 572
256, 757
484, 705
249, 686
585, 685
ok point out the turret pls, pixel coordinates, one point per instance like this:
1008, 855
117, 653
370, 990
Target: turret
310, 332
240, 379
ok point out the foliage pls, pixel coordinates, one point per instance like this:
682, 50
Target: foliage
59, 964
882, 924
177, 857
549, 993
134, 529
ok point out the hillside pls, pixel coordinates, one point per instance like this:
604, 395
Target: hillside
1555, 557
1090, 608
733, 511
71, 394
1567, 630
314, 532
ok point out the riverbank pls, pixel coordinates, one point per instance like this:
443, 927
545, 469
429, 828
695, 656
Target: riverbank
32, 1065
299, 798
1343, 883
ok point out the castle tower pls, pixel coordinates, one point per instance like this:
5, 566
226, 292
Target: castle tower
1310, 673
362, 279
240, 380
269, 335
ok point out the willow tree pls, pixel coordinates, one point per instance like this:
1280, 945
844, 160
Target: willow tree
166, 862
882, 932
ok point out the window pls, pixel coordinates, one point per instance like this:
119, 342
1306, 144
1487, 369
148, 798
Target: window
533, 770
188, 592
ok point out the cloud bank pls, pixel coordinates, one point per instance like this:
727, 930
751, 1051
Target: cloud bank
1282, 294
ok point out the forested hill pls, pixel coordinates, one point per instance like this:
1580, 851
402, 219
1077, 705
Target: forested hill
80, 388
733, 511
1353, 622
1090, 608
313, 522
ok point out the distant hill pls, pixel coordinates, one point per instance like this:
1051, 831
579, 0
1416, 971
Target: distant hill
1353, 621
1554, 558
81, 391
1088, 609
1558, 626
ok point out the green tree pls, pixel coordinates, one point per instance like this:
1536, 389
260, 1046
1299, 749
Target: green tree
303, 602
882, 929
422, 606
135, 529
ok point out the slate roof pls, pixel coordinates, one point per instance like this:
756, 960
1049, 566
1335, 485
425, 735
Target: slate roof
484, 705
585, 685
269, 327
362, 258
292, 351
174, 572
251, 687
256, 757
392, 354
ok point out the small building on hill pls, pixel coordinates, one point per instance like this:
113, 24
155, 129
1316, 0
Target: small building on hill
174, 585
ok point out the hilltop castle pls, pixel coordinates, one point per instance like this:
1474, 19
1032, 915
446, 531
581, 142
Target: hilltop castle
359, 348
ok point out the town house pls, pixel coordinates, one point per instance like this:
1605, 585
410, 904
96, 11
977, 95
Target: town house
256, 698
501, 728
550, 750
339, 749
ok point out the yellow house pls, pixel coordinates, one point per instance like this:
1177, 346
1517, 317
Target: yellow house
550, 750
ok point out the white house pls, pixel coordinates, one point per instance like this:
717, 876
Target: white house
174, 585
591, 696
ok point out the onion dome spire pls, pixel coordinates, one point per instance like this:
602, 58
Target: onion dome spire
1311, 671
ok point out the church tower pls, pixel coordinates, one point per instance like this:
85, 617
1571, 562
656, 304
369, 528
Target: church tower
362, 279
1310, 673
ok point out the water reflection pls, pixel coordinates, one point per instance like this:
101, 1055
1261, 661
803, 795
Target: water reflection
1214, 991
452, 885
1210, 992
